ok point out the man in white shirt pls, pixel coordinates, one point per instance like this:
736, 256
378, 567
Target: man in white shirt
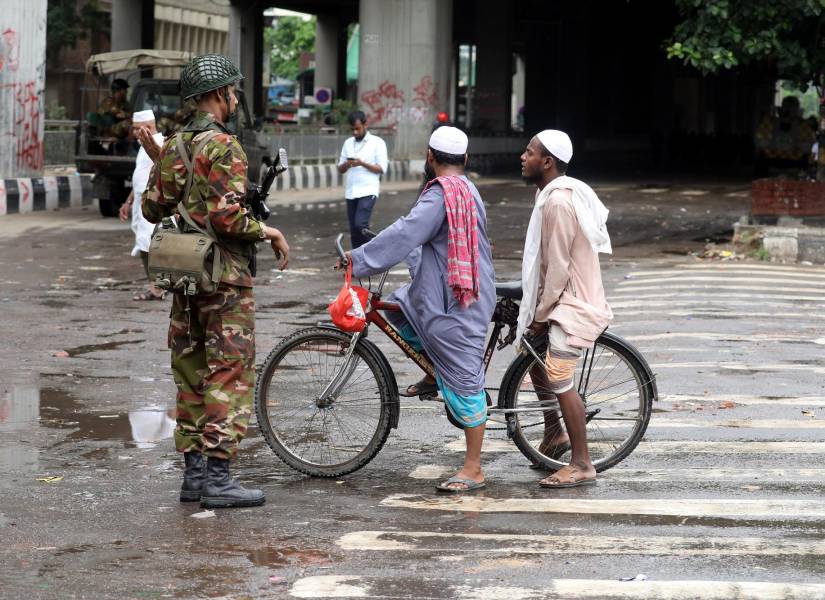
364, 160
144, 119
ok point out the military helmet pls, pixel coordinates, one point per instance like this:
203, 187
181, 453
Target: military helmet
206, 73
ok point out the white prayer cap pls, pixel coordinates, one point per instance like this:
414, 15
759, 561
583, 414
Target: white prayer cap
143, 116
557, 143
450, 140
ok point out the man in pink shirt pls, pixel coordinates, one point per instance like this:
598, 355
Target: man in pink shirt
563, 294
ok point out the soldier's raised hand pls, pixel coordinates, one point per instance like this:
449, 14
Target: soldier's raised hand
149, 144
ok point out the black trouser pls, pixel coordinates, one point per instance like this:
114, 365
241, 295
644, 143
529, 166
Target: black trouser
359, 211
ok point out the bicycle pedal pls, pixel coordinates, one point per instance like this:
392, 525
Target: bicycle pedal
428, 396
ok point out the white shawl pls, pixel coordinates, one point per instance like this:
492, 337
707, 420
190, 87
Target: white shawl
592, 217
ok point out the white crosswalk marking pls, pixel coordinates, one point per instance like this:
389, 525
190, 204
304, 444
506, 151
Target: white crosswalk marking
747, 400
678, 448
765, 476
664, 507
359, 586
735, 433
575, 543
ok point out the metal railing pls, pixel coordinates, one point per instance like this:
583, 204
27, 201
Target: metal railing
313, 148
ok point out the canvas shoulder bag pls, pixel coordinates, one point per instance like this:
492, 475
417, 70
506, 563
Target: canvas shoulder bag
186, 260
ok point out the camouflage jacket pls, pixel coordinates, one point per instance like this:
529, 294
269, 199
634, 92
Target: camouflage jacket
217, 193
112, 107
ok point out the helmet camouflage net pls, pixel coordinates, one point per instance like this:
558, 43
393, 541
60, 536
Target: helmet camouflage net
206, 73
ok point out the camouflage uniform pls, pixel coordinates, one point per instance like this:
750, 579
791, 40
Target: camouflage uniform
177, 122
114, 117
211, 336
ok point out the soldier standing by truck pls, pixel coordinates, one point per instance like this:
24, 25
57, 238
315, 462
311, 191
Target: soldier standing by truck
114, 112
211, 336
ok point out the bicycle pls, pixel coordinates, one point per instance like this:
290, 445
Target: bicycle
326, 400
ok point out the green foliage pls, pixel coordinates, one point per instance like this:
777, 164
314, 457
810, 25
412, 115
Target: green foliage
762, 254
338, 113
65, 25
286, 41
788, 35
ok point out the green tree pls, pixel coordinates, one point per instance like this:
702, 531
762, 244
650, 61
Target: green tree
65, 24
787, 36
286, 40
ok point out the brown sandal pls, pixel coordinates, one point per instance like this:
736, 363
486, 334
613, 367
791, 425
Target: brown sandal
548, 482
420, 388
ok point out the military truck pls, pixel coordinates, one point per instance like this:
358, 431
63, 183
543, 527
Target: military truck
112, 160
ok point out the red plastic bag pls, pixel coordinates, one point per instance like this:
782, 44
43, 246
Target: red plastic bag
348, 309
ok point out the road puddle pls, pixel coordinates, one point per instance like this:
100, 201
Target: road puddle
282, 304
28, 405
86, 349
288, 556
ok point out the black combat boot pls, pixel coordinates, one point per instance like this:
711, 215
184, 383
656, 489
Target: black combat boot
194, 475
221, 491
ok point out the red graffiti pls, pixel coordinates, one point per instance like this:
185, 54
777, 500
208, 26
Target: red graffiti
9, 51
425, 93
23, 190
385, 105
26, 124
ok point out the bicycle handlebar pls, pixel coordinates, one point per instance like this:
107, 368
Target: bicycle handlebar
339, 248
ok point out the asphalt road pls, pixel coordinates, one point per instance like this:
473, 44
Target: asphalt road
721, 500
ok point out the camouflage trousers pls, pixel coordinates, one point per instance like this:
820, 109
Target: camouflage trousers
213, 362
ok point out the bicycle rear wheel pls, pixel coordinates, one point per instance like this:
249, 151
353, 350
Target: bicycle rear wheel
618, 392
322, 439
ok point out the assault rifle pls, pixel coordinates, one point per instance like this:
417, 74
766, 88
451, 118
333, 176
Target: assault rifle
256, 193
256, 199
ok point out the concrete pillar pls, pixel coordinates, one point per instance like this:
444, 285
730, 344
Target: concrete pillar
326, 52
404, 68
127, 24
246, 49
22, 83
494, 67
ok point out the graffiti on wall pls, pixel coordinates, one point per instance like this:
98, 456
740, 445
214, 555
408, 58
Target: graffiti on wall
9, 50
424, 100
385, 105
26, 124
22, 83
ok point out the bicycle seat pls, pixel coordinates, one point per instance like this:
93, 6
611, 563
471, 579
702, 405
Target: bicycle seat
509, 289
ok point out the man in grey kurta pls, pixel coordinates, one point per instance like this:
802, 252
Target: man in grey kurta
452, 336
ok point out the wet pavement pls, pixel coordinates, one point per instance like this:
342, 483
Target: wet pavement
721, 499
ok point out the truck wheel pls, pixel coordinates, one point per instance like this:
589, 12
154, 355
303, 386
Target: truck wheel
108, 208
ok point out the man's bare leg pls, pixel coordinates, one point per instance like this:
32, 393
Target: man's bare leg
474, 437
554, 434
580, 467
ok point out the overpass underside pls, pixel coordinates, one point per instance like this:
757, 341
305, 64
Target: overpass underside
505, 70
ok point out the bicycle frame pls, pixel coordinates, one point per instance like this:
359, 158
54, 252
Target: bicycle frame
419, 358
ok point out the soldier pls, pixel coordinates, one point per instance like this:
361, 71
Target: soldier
211, 336
114, 112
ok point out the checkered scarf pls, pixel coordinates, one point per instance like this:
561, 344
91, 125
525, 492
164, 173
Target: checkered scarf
462, 239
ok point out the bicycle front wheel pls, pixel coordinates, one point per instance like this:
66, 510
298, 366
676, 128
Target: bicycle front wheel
323, 437
617, 390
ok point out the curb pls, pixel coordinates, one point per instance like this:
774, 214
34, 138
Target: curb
327, 175
783, 242
30, 194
